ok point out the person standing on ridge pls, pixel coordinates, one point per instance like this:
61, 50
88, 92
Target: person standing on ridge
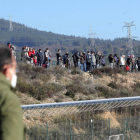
58, 56
39, 57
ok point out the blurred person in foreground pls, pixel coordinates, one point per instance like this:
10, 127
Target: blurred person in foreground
11, 123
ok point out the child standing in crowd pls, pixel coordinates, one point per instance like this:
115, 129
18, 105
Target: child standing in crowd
35, 60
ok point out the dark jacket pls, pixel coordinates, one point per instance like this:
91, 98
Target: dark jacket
65, 58
11, 122
58, 55
97, 58
128, 61
40, 57
138, 62
110, 59
76, 57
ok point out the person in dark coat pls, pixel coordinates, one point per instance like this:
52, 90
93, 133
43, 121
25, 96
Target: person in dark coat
68, 62
39, 57
75, 60
97, 59
65, 58
110, 59
58, 56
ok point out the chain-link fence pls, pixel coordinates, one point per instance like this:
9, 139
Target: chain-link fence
84, 120
92, 129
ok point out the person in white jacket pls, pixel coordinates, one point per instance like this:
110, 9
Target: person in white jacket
93, 60
122, 61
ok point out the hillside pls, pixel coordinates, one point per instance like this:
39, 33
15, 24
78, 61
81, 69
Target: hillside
37, 85
23, 35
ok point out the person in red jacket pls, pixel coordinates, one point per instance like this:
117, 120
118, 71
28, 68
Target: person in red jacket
33, 51
30, 53
127, 68
35, 60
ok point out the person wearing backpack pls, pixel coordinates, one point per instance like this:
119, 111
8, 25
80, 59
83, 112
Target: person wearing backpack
88, 61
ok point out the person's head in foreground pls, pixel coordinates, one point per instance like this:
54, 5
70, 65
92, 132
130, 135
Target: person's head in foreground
8, 65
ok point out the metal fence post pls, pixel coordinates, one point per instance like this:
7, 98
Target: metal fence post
109, 128
91, 130
126, 127
70, 131
47, 132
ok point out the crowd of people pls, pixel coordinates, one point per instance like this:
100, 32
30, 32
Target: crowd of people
81, 60
36, 58
130, 63
84, 61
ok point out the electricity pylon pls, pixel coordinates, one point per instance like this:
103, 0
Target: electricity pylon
130, 37
91, 34
10, 26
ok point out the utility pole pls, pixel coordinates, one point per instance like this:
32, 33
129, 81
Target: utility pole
10, 26
92, 37
130, 37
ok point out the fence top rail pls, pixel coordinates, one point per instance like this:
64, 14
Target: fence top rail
81, 103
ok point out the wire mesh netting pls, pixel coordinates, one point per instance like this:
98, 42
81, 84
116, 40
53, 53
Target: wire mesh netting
85, 129
84, 120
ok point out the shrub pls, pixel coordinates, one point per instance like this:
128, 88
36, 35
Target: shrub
57, 71
38, 90
136, 85
113, 85
105, 91
108, 71
70, 94
124, 92
75, 71
58, 100
97, 72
